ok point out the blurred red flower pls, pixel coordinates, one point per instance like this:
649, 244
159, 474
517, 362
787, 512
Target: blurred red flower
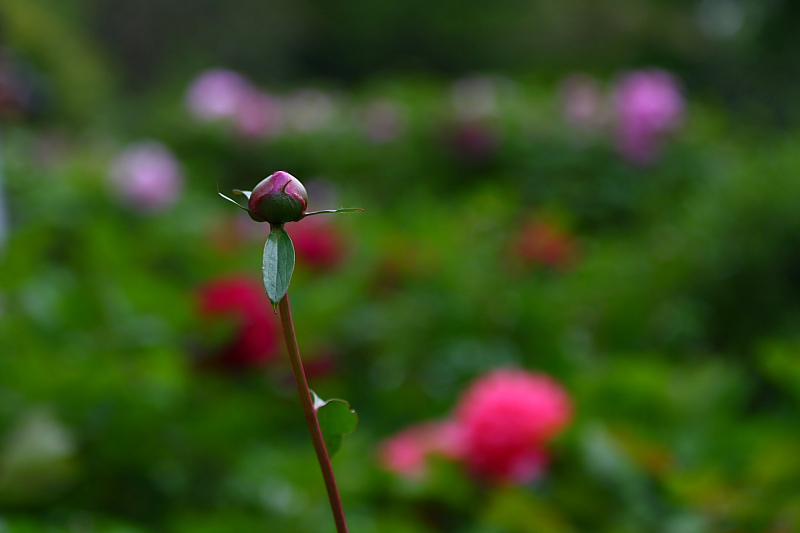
505, 418
541, 242
318, 244
256, 337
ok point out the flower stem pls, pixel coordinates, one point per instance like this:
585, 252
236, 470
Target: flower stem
311, 415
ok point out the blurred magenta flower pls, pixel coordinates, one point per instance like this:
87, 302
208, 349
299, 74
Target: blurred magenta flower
408, 452
473, 141
473, 134
648, 105
215, 94
544, 243
506, 417
242, 301
146, 176
318, 244
582, 101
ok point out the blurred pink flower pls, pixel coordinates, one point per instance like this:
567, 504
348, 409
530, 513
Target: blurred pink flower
258, 114
256, 338
582, 101
505, 418
500, 428
407, 453
219, 94
146, 176
216, 94
648, 105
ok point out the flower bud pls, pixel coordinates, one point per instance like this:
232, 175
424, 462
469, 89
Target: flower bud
278, 199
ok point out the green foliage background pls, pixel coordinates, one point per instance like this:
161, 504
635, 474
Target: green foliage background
675, 331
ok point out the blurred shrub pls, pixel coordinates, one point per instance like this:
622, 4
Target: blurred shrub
737, 51
497, 233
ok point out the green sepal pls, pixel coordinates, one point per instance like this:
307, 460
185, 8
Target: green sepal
342, 210
336, 419
236, 192
277, 265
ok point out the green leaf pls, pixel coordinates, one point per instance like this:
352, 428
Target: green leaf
278, 264
336, 419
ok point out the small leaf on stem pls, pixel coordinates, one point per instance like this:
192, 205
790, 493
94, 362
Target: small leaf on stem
336, 419
278, 264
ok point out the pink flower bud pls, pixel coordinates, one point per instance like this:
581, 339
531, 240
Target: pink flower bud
278, 199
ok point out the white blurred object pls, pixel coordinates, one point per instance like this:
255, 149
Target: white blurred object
720, 19
582, 101
475, 98
36, 458
310, 110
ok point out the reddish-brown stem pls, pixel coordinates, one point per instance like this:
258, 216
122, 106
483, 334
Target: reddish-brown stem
311, 414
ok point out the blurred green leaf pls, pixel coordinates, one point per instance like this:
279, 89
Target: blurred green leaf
513, 509
780, 363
